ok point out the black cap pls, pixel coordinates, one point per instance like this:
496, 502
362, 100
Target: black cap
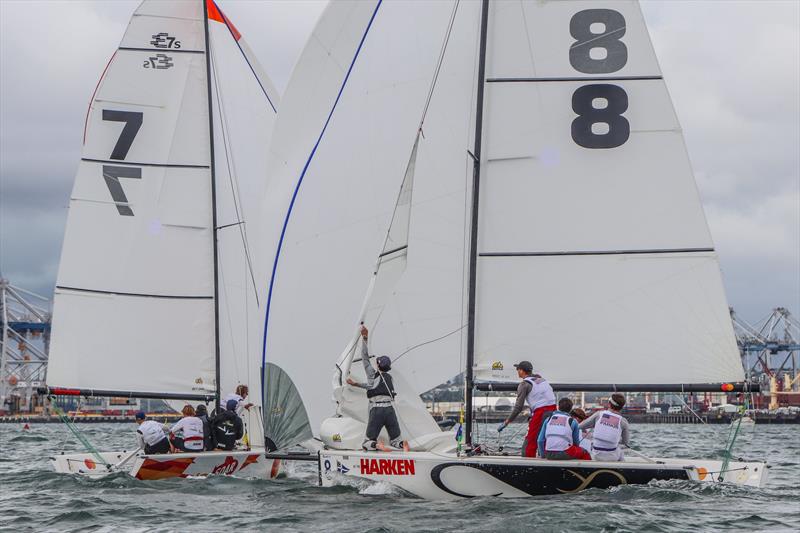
384, 363
527, 366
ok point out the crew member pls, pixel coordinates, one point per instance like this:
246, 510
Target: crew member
150, 435
227, 427
187, 434
559, 435
201, 411
380, 393
240, 395
610, 430
537, 392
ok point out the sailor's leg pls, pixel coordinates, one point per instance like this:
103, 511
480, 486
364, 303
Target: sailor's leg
374, 425
576, 452
392, 427
161, 446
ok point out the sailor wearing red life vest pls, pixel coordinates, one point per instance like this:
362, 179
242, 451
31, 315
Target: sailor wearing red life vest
538, 394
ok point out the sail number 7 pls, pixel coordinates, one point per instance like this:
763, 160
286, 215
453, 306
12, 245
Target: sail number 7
112, 174
599, 50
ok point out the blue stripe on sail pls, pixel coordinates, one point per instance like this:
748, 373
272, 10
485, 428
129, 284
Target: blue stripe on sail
297, 189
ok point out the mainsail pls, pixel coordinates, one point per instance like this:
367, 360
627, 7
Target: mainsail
138, 282
594, 257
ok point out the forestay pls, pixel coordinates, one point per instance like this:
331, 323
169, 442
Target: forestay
595, 259
134, 303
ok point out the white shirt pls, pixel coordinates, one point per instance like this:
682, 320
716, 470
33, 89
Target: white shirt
239, 402
150, 432
192, 429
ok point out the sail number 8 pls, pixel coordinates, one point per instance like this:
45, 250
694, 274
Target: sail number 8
598, 50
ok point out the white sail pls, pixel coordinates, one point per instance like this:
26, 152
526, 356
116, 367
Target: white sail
352, 149
134, 304
595, 259
389, 269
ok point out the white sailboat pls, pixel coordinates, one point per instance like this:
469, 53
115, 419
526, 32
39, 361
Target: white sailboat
554, 218
155, 295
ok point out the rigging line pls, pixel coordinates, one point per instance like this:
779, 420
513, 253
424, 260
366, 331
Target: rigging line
429, 342
231, 174
439, 62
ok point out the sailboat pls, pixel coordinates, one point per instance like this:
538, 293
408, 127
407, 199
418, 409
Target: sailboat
546, 211
155, 295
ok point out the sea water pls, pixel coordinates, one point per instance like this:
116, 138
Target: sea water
33, 498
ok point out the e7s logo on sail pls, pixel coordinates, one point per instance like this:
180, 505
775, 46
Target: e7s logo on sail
163, 40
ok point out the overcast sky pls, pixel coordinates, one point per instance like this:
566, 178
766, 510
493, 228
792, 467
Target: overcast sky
733, 69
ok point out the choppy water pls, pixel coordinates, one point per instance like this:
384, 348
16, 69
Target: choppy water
33, 498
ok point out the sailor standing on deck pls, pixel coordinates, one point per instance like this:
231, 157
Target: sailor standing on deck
610, 430
380, 393
537, 392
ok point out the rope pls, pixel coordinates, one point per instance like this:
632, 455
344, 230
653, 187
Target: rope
88, 445
733, 432
429, 342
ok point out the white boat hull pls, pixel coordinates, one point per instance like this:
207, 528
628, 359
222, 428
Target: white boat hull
442, 476
240, 463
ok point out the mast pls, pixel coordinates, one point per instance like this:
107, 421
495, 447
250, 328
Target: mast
213, 205
473, 238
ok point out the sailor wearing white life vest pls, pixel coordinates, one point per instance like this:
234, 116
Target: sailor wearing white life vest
240, 395
559, 436
538, 394
150, 435
610, 430
187, 434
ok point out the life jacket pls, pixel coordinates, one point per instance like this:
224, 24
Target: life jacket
558, 433
151, 431
541, 394
385, 386
193, 435
607, 431
226, 429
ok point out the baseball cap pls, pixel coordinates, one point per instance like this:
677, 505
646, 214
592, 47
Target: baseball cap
139, 415
527, 366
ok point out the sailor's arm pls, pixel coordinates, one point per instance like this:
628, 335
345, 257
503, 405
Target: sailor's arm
140, 439
626, 433
590, 422
541, 439
523, 389
576, 432
177, 427
368, 369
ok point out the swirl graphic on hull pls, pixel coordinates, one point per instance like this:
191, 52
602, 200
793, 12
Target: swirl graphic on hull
586, 481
